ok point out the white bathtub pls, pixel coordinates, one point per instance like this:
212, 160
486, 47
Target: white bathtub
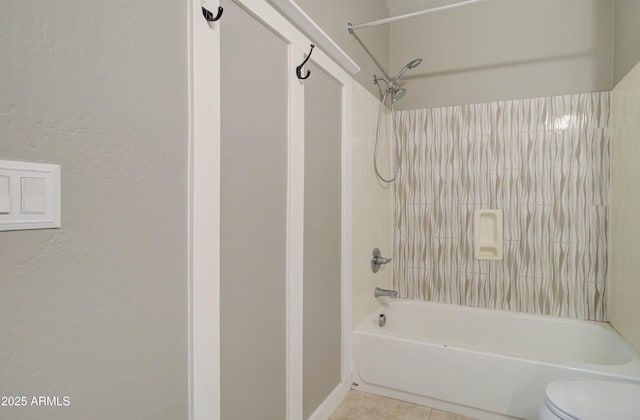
481, 363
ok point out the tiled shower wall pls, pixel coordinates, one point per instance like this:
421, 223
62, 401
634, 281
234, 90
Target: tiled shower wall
545, 163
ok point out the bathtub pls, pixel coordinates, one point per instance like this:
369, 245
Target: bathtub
482, 363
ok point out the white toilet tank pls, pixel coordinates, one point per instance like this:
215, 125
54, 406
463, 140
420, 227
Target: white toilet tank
591, 399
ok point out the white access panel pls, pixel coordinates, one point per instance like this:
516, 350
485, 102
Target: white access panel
29, 195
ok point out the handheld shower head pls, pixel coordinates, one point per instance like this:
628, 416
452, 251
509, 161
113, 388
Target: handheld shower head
414, 63
395, 93
410, 65
392, 85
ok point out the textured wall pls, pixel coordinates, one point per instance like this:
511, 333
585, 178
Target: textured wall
372, 204
625, 207
544, 162
505, 49
97, 310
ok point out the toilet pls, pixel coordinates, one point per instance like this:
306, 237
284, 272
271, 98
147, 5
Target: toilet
591, 399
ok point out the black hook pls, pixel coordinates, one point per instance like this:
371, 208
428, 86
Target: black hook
299, 68
209, 16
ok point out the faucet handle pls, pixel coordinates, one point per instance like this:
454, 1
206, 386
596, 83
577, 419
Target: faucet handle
377, 260
381, 260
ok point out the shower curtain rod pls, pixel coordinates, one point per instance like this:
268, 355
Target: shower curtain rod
351, 28
373, 57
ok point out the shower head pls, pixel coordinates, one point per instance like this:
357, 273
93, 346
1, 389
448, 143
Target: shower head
414, 63
392, 86
398, 94
410, 65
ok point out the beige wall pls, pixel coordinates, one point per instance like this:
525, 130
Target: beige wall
333, 15
253, 197
372, 200
624, 311
97, 310
322, 238
505, 49
626, 37
372, 205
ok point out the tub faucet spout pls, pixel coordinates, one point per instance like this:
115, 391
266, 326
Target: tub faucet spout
385, 292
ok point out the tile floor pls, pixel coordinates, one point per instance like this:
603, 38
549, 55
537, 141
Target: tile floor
362, 406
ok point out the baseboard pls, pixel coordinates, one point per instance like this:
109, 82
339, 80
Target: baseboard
330, 403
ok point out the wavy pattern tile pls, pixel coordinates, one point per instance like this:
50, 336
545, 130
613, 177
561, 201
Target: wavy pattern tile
545, 163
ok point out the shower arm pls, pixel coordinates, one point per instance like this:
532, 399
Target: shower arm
377, 79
